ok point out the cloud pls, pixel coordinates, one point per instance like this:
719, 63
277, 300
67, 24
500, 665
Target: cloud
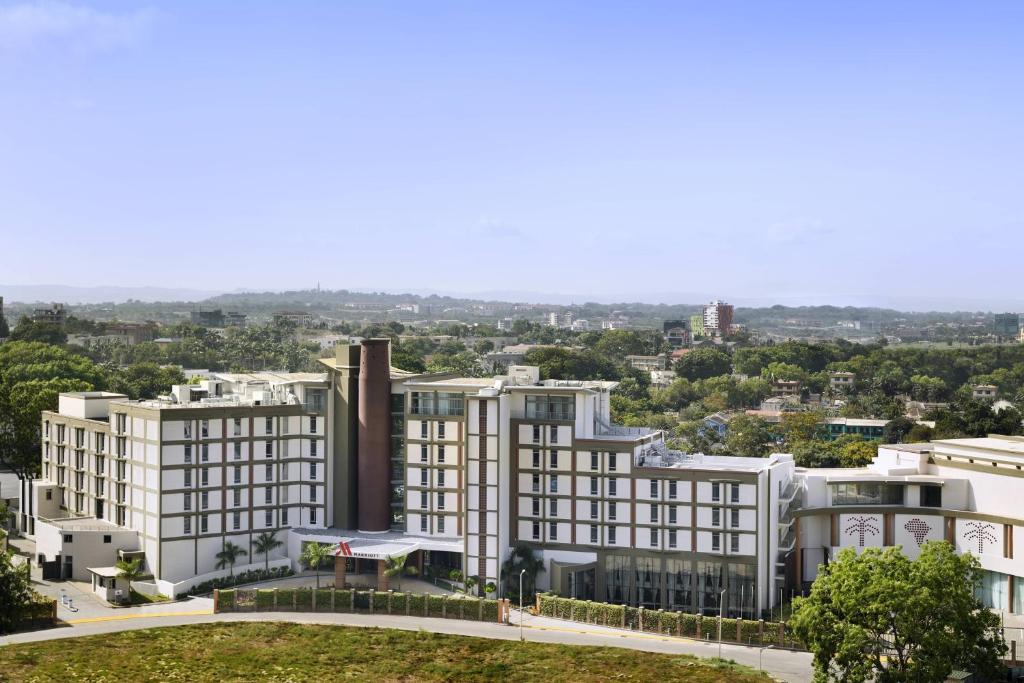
497, 228
77, 28
794, 232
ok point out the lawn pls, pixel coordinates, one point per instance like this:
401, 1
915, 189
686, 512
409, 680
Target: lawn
296, 652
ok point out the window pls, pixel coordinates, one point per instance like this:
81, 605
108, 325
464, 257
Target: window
536, 531
613, 459
594, 461
535, 483
313, 448
554, 433
204, 429
867, 493
423, 523
613, 511
312, 492
553, 484
536, 507
284, 516
268, 448
424, 427
204, 500
552, 531
237, 475
423, 476
312, 424
931, 496
734, 543
238, 426
593, 486
716, 541
205, 452
536, 458
236, 520
654, 513
188, 478
312, 515
187, 502
440, 477
611, 535
654, 538
423, 500
188, 429
268, 472
268, 518
68, 538
672, 538
205, 472
716, 517
268, 425
440, 454
238, 450
593, 509
654, 488
312, 470
237, 497
553, 460
593, 533
440, 525
424, 453
536, 433
204, 524
187, 524
268, 495
734, 493
440, 501
716, 492
550, 408
553, 507
188, 454
734, 518
440, 430
613, 487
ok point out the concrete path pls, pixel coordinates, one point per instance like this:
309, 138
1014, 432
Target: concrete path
787, 666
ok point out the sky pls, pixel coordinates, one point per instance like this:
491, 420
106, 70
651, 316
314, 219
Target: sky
863, 152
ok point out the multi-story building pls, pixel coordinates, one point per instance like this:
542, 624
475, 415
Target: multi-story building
215, 462
677, 333
560, 319
56, 314
841, 381
218, 318
717, 318
1006, 325
648, 363
697, 325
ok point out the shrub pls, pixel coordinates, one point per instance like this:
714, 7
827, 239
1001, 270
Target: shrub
252, 576
323, 599
749, 633
435, 605
416, 604
363, 600
226, 600
690, 624
380, 602
265, 599
303, 598
632, 617
490, 610
285, 596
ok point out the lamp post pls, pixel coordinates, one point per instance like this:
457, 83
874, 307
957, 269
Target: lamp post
522, 637
721, 607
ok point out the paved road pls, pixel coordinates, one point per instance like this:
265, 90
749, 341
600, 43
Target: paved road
787, 666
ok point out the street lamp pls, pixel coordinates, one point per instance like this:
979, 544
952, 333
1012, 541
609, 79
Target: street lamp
521, 613
721, 606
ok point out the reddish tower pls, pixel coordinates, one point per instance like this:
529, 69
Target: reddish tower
374, 461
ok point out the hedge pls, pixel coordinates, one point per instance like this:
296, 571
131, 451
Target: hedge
252, 576
435, 606
303, 598
380, 602
264, 599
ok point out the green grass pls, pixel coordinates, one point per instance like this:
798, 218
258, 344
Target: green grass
296, 652
143, 599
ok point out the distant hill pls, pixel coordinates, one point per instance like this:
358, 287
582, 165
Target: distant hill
70, 294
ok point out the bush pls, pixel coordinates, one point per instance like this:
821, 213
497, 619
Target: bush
750, 631
323, 599
435, 605
490, 610
303, 598
632, 617
363, 600
416, 604
265, 599
226, 600
380, 602
252, 576
285, 596
690, 624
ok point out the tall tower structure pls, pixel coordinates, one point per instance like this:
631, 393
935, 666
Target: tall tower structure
374, 441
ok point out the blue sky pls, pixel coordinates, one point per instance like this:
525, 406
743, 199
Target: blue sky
796, 151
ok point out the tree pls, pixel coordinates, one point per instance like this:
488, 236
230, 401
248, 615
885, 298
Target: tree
703, 363
805, 426
131, 570
313, 555
522, 558
748, 436
145, 380
5, 331
46, 333
15, 593
266, 543
880, 616
229, 555
395, 567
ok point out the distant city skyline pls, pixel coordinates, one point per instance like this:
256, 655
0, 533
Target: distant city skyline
803, 153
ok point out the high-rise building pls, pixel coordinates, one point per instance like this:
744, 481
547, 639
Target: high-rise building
717, 318
1006, 325
697, 325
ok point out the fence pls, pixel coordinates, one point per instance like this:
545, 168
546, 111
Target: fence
360, 602
747, 632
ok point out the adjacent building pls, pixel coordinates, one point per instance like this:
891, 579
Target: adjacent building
717, 318
677, 333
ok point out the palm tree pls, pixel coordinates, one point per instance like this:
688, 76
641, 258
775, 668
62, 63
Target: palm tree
313, 555
522, 558
131, 570
265, 543
229, 555
471, 583
395, 567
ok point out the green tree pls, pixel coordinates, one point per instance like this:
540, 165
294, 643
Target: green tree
522, 558
856, 452
229, 555
703, 363
45, 333
131, 570
266, 543
896, 430
15, 593
748, 436
145, 380
313, 556
395, 567
803, 426
880, 616
5, 331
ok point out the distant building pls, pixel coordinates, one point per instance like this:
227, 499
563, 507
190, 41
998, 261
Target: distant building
984, 392
131, 333
841, 381
697, 325
1007, 325
218, 318
662, 378
677, 333
647, 363
786, 387
580, 325
717, 317
561, 320
300, 318
505, 324
56, 314
614, 324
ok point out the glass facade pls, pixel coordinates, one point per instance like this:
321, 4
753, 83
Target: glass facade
398, 462
648, 582
551, 407
436, 403
867, 493
709, 587
679, 585
617, 569
741, 597
994, 590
